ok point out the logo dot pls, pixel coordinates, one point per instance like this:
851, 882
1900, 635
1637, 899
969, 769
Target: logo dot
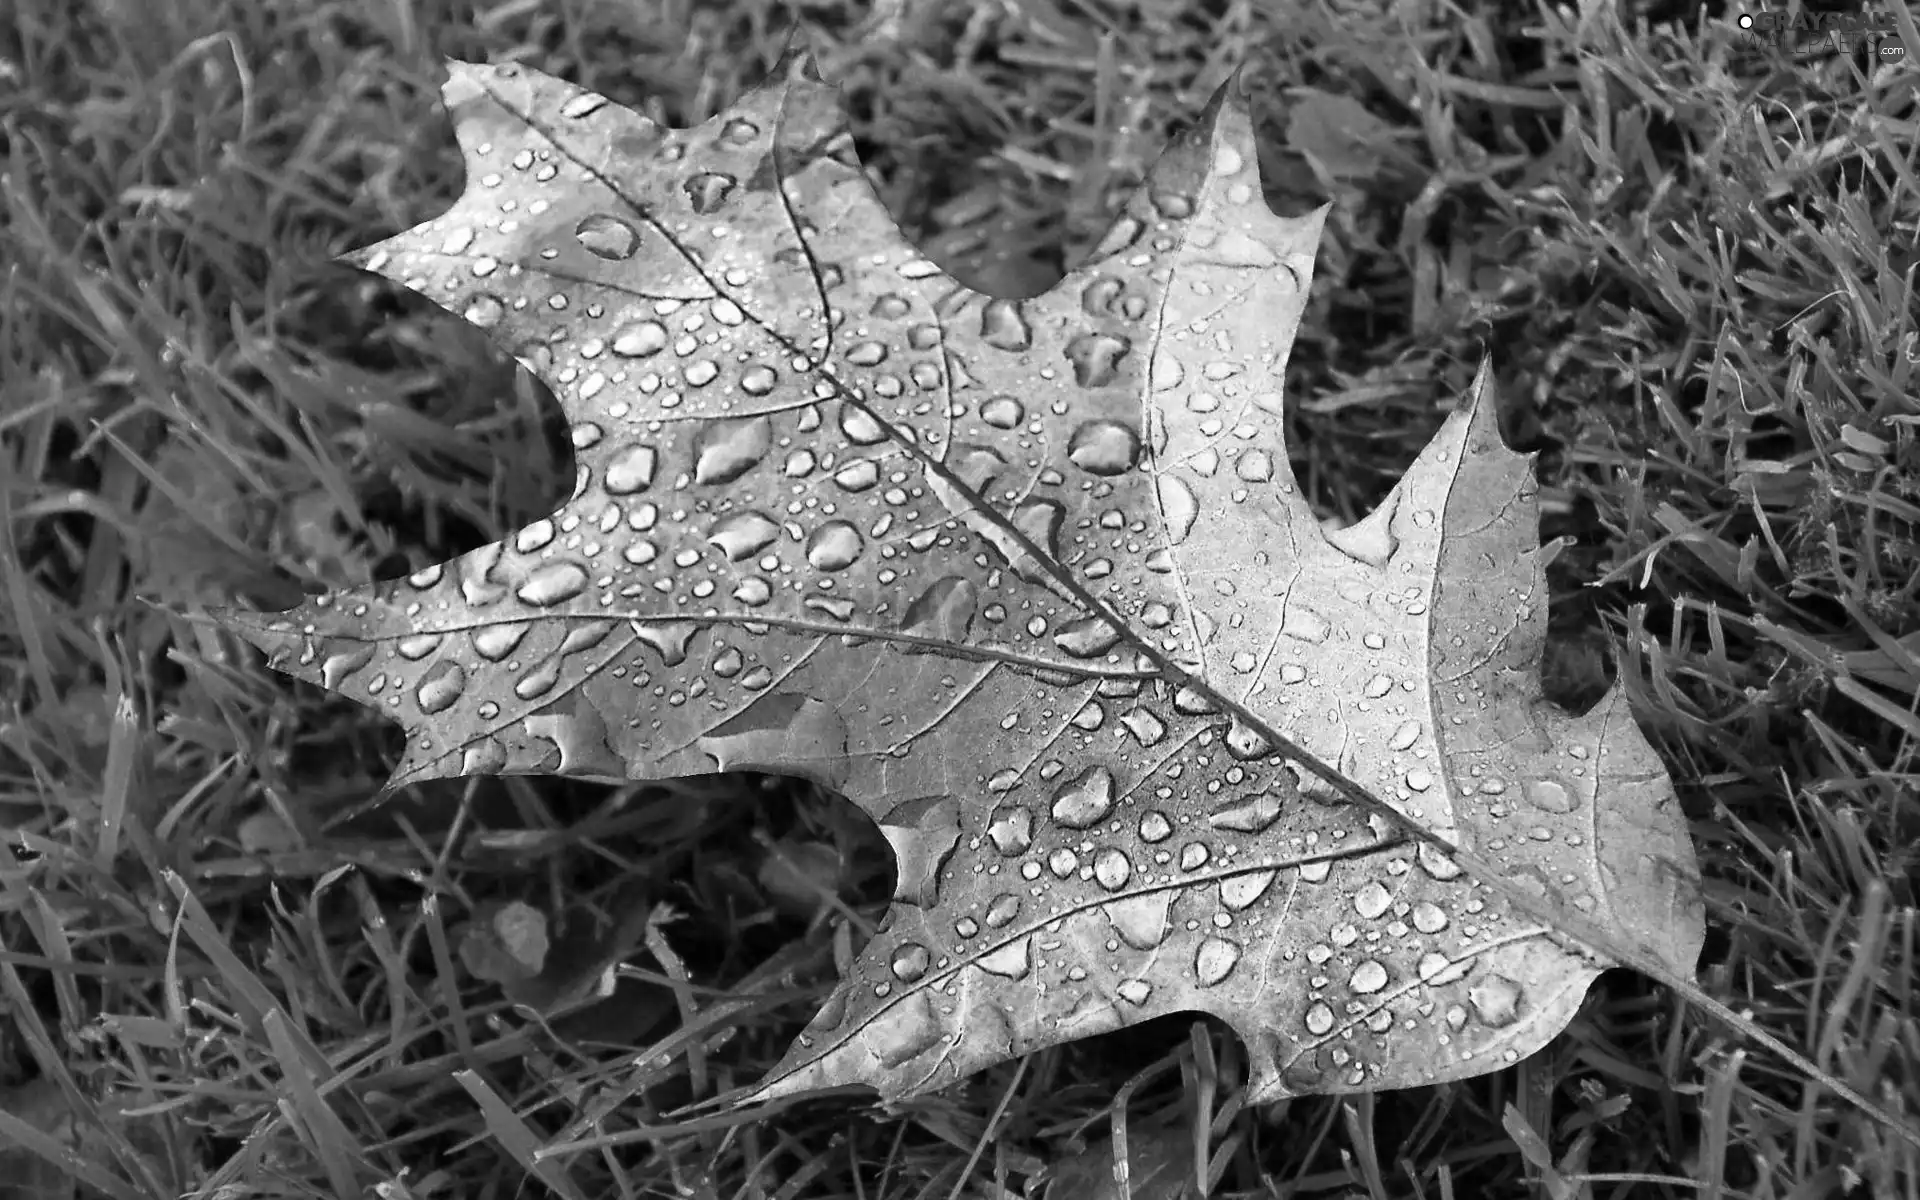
1746, 20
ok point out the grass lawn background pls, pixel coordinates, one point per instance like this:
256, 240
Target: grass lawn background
1693, 262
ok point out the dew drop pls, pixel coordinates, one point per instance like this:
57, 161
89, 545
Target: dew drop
539, 680
1254, 466
1146, 728
1368, 978
1004, 327
1249, 814
668, 639
1178, 507
1095, 358
1495, 1000
834, 546
1372, 900
419, 646
1167, 371
943, 613
1104, 447
1112, 869
1011, 961
1097, 298
1086, 637
1549, 795
725, 450
1002, 910
640, 339
1134, 991
440, 687
1305, 624
1154, 827
1429, 917
1003, 412
910, 962
1086, 800
1245, 742
553, 583
1436, 863
1039, 521
607, 236
743, 535
534, 537
859, 425
758, 380
630, 470
708, 190
485, 309
1142, 920
1175, 206
1319, 1019
1010, 829
495, 642
1215, 960
1242, 891
857, 476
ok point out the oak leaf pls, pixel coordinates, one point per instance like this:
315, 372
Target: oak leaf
1029, 581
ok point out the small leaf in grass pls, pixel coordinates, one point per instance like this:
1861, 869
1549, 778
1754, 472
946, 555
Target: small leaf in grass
1159, 1166
267, 832
801, 876
1340, 133
505, 943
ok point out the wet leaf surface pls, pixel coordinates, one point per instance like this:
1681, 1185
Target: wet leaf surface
1028, 580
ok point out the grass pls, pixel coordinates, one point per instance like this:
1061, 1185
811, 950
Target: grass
1694, 266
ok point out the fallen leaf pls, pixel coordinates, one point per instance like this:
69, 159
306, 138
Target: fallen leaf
267, 832
801, 876
1342, 135
1031, 582
1159, 1167
505, 943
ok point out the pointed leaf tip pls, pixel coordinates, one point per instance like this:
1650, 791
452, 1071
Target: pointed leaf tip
462, 83
1482, 405
797, 60
1240, 83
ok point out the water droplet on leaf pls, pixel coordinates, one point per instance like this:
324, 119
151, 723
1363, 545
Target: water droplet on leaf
607, 236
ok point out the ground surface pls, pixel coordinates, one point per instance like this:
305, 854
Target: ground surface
1694, 265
